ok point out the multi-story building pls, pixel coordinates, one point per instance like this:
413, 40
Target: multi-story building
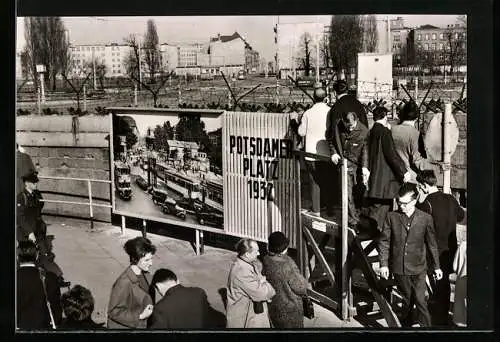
233, 53
113, 56
399, 39
169, 56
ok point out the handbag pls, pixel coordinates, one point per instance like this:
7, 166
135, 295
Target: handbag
308, 307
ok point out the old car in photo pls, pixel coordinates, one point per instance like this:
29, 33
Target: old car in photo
170, 206
142, 183
159, 195
208, 216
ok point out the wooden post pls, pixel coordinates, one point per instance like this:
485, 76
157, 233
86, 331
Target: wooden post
202, 245
123, 224
39, 101
446, 149
144, 231
197, 242
416, 89
344, 246
89, 186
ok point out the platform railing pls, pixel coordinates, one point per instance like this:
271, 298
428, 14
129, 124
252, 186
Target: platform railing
90, 203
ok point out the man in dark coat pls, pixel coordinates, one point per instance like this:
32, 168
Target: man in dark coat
24, 167
407, 237
445, 212
354, 148
387, 170
180, 307
32, 309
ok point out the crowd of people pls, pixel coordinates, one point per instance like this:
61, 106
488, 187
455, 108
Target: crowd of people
392, 194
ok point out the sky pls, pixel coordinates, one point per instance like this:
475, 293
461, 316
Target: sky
143, 122
257, 30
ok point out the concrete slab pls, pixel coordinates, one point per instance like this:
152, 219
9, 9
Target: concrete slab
96, 258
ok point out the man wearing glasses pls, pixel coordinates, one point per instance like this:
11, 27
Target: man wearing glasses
406, 236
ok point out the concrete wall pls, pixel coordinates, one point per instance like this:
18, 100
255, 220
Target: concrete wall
58, 151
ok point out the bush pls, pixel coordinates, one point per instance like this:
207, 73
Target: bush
23, 112
48, 111
78, 111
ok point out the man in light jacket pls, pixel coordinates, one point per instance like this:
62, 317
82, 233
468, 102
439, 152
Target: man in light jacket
248, 291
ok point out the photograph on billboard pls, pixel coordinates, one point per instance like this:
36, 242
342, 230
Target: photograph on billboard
168, 168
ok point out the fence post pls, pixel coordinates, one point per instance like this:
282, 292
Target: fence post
84, 97
344, 246
197, 242
135, 94
416, 89
89, 186
39, 101
144, 232
446, 149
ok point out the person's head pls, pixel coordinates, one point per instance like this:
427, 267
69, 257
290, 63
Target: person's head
427, 180
248, 249
409, 112
380, 113
140, 251
340, 87
30, 181
163, 280
407, 198
277, 243
27, 252
77, 303
349, 120
319, 95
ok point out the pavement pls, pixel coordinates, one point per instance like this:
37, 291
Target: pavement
94, 258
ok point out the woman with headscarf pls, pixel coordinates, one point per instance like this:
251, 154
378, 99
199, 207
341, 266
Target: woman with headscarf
286, 308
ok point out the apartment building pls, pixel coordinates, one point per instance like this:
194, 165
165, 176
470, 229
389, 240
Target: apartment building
113, 56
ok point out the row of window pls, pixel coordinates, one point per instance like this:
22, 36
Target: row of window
93, 48
441, 46
433, 36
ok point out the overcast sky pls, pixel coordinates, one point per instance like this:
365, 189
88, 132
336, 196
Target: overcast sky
257, 30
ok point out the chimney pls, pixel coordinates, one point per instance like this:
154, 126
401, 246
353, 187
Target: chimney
218, 36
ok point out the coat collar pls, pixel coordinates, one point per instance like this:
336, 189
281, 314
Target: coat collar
134, 278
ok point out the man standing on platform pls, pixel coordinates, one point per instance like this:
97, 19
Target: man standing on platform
445, 212
354, 148
387, 170
406, 237
312, 127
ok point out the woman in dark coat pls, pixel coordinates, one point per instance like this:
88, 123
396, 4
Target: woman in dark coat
130, 304
286, 308
78, 305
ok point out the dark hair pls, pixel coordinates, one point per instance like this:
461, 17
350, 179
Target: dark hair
137, 248
77, 303
408, 188
160, 276
379, 113
340, 86
319, 95
344, 115
409, 111
427, 177
26, 251
277, 242
243, 246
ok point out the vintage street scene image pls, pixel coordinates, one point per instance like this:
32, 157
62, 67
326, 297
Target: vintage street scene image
226, 172
169, 167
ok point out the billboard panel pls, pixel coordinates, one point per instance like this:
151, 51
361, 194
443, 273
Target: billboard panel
227, 172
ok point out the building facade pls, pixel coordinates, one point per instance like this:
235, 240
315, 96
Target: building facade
113, 56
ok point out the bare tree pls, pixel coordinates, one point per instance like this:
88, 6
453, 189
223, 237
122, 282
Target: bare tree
456, 48
346, 39
462, 19
152, 52
325, 51
100, 69
305, 49
47, 44
370, 36
132, 60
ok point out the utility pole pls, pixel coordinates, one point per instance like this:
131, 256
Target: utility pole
277, 62
140, 64
389, 48
93, 67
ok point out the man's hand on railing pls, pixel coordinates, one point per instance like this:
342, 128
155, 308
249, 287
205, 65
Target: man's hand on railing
336, 158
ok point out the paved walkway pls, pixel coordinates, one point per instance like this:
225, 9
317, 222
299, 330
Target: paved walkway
96, 258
